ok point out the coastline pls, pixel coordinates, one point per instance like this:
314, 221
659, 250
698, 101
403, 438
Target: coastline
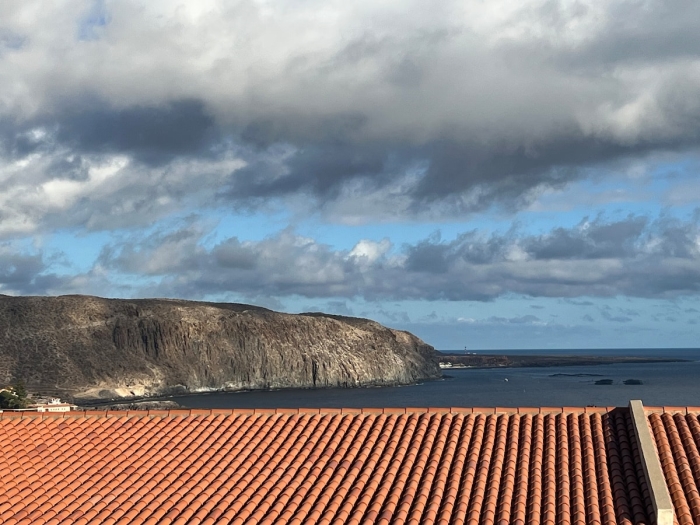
456, 361
169, 398
459, 362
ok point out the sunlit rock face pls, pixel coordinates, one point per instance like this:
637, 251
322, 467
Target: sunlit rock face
89, 347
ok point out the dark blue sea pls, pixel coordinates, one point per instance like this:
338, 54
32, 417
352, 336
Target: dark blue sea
661, 384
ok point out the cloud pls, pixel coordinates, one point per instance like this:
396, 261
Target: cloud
152, 134
635, 257
339, 308
615, 318
589, 241
164, 252
579, 303
27, 271
394, 317
450, 334
434, 112
523, 319
53, 186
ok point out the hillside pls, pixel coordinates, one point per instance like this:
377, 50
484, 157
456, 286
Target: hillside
90, 347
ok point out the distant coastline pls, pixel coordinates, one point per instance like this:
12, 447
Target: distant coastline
666, 381
459, 360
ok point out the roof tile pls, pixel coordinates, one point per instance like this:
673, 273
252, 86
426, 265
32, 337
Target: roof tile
441, 465
677, 439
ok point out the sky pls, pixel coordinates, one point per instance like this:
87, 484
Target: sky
511, 174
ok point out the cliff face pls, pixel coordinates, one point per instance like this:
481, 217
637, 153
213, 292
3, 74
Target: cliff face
92, 347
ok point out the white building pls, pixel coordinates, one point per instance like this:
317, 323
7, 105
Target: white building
54, 404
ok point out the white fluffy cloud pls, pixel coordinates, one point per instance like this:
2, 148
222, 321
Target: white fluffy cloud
460, 67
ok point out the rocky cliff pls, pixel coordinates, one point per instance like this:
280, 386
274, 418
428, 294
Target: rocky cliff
89, 347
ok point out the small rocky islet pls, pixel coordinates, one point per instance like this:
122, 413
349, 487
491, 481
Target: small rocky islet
625, 382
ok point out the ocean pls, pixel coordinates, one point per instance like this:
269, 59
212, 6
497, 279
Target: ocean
600, 385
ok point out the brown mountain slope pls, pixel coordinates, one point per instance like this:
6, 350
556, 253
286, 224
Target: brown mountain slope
86, 346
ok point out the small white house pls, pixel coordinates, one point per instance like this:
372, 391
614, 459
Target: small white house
54, 404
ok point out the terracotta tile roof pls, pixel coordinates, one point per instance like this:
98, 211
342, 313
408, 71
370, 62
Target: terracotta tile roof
676, 431
442, 466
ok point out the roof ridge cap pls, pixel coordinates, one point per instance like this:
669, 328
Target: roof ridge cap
185, 412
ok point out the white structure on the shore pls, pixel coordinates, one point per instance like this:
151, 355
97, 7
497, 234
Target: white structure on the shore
54, 404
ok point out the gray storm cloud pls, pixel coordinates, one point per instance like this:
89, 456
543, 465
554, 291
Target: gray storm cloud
452, 106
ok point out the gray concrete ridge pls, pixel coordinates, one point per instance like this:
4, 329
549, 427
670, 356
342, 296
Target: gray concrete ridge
663, 508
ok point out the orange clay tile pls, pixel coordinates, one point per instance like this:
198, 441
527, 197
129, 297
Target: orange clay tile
677, 437
480, 466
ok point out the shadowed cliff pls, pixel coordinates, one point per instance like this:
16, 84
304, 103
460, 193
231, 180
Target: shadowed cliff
89, 347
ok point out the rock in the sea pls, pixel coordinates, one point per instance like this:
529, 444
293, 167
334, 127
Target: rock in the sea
89, 347
633, 382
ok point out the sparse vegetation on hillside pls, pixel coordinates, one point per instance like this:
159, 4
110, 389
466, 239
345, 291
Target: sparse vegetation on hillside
80, 347
14, 396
